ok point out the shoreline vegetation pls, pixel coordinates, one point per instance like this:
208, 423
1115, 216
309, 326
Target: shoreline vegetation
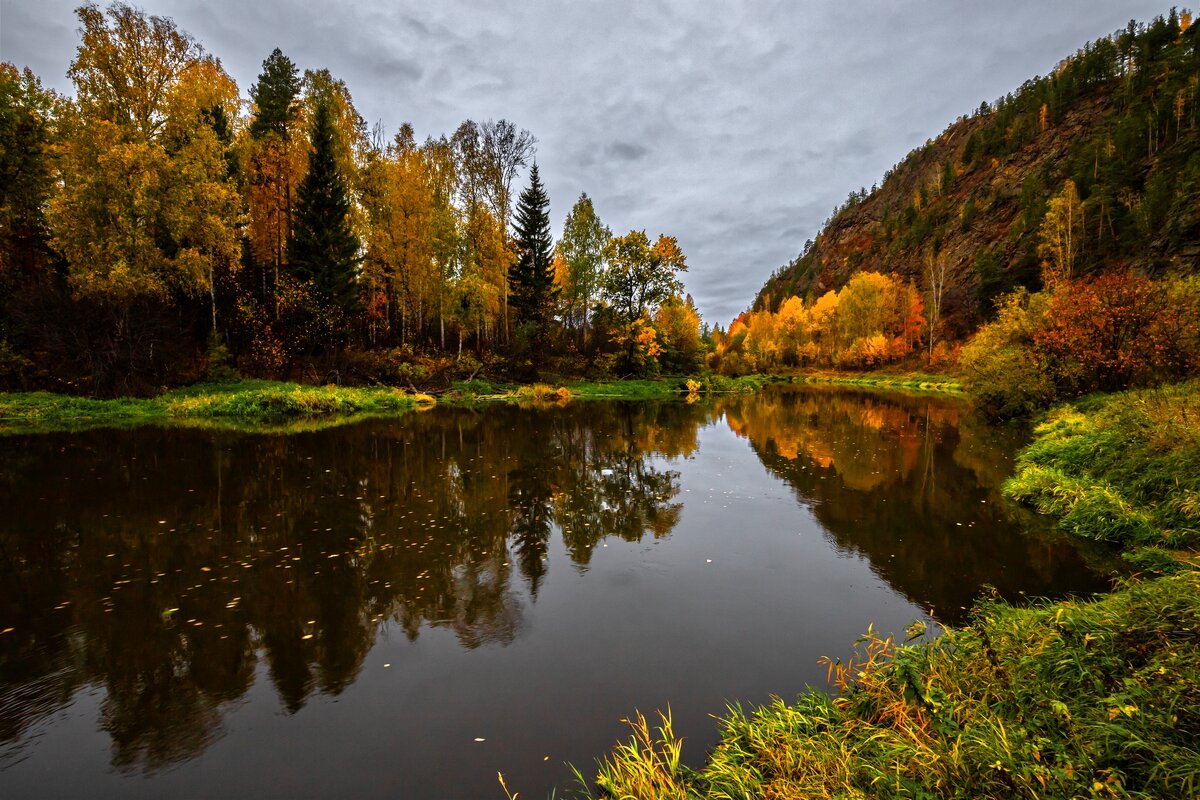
1091, 697
250, 404
271, 406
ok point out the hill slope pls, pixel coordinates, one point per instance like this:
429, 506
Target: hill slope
1119, 119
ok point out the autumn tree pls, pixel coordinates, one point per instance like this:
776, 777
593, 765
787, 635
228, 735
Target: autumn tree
1115, 331
404, 283
488, 157
937, 278
641, 276
582, 249
638, 279
678, 324
1061, 236
145, 210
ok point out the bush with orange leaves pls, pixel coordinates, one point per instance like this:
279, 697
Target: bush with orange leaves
1115, 331
1119, 330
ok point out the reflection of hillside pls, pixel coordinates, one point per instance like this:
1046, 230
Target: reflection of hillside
163, 564
912, 485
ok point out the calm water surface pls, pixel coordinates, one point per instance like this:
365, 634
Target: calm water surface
345, 612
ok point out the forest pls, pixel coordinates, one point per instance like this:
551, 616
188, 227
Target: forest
160, 227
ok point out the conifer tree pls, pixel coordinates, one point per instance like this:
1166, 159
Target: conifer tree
275, 96
531, 280
323, 249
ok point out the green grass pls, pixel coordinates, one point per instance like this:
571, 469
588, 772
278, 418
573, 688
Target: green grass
479, 390
666, 387
1072, 699
1123, 468
247, 405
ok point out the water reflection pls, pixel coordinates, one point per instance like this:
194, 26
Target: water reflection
163, 564
172, 568
912, 483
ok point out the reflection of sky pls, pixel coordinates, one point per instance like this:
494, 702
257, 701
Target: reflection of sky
736, 127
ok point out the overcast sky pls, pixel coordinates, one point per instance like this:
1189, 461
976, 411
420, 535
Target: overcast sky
734, 126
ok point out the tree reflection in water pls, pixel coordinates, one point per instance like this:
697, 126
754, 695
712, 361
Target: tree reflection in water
162, 564
912, 482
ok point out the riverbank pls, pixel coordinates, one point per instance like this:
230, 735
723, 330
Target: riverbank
1095, 698
239, 404
270, 405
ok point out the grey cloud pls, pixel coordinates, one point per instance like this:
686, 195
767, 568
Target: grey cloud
626, 151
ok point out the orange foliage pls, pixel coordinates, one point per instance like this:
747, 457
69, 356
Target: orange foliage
874, 319
1115, 331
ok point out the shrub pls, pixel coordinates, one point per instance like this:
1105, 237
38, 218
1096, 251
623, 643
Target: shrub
999, 366
1111, 332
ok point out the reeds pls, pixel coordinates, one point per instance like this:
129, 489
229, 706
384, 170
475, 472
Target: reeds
1078, 699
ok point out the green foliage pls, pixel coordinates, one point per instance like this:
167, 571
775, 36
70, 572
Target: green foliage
531, 280
996, 363
275, 96
582, 248
26, 115
641, 275
323, 250
245, 403
220, 363
13, 367
1122, 468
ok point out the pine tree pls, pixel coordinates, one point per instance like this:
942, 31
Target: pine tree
323, 249
531, 280
275, 96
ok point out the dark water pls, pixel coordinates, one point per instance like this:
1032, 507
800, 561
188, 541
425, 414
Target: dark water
344, 612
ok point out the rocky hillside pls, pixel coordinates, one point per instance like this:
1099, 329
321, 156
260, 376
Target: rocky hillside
1118, 119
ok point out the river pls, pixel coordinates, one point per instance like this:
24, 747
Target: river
403, 608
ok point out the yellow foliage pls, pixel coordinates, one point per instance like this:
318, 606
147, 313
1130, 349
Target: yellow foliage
1061, 235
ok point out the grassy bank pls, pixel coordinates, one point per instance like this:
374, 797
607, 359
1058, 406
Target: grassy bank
1122, 468
1094, 699
248, 404
1097, 698
270, 406
469, 392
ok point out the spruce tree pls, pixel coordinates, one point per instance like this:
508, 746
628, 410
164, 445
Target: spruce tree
275, 96
323, 249
532, 292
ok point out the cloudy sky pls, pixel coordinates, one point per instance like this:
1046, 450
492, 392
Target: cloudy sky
734, 126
